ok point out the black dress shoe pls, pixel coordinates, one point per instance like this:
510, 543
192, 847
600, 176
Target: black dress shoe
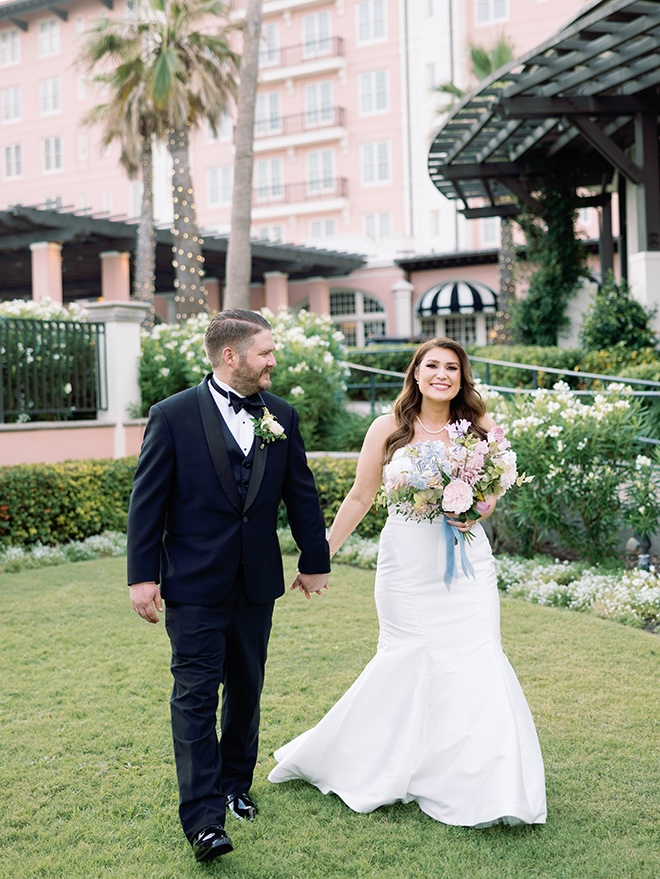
210, 843
242, 806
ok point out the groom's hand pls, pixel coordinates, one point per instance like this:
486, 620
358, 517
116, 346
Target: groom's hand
146, 600
308, 583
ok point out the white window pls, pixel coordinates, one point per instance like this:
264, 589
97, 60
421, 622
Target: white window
10, 47
52, 147
13, 160
371, 24
317, 35
53, 202
267, 114
489, 11
220, 185
269, 51
490, 231
107, 201
376, 163
49, 37
81, 88
320, 172
85, 204
224, 131
50, 95
83, 147
318, 104
11, 103
378, 226
135, 199
462, 328
270, 180
270, 233
80, 24
431, 76
325, 227
374, 92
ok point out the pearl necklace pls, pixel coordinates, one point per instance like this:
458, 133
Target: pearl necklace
432, 432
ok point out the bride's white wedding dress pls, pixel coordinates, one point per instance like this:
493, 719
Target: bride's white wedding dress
438, 715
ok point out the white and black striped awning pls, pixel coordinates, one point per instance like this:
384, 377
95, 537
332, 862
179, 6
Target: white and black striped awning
457, 297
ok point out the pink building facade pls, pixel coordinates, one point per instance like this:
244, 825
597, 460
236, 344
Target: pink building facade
346, 111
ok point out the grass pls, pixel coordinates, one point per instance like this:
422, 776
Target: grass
87, 775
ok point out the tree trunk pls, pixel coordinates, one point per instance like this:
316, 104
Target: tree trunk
506, 263
238, 270
187, 255
145, 248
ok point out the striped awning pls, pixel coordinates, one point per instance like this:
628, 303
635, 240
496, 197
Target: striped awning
458, 297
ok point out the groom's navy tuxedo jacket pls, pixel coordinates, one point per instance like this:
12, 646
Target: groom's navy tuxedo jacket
189, 528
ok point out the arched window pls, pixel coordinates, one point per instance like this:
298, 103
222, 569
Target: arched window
359, 316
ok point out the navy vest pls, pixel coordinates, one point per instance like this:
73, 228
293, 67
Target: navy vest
241, 465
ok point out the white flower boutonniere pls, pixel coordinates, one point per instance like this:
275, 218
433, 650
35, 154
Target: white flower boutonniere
268, 428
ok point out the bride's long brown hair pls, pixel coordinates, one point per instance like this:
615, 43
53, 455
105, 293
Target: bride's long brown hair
467, 404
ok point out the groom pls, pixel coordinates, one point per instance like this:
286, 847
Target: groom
215, 463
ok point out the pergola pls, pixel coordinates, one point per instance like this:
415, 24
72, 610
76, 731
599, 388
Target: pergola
586, 99
84, 239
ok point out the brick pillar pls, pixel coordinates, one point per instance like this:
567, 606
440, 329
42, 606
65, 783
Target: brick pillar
212, 286
276, 285
46, 270
319, 295
115, 276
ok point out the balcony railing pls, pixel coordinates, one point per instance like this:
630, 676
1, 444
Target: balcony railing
287, 193
312, 50
276, 126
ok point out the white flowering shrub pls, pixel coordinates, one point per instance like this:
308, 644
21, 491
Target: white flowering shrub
17, 558
308, 375
631, 597
41, 309
582, 456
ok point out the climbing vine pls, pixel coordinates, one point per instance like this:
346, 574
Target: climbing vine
558, 259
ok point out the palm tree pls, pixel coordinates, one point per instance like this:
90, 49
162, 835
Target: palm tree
239, 252
185, 75
483, 63
128, 118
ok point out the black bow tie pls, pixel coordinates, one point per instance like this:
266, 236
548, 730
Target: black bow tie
253, 404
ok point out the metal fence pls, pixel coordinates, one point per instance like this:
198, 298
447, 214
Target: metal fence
51, 370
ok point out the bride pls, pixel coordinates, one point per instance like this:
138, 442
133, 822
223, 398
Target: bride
437, 716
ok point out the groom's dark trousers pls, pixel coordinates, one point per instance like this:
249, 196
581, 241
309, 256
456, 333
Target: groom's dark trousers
203, 523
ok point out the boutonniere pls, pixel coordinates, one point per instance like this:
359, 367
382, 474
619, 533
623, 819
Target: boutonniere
268, 428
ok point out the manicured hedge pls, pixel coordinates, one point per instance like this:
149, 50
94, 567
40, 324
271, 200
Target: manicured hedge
57, 503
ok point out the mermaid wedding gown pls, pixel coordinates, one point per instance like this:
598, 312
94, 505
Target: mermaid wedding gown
437, 716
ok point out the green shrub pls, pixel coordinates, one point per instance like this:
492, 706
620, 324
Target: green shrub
58, 503
393, 359
334, 477
509, 377
615, 318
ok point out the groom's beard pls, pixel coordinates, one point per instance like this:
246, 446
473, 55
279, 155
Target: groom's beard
247, 380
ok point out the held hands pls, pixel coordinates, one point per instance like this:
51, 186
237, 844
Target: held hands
146, 600
308, 583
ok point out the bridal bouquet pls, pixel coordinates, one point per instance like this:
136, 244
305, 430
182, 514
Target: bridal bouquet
432, 479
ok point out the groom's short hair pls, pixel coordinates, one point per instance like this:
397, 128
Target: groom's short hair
233, 327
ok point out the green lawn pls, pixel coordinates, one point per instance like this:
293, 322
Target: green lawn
87, 776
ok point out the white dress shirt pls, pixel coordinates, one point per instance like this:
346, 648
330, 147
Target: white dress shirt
240, 423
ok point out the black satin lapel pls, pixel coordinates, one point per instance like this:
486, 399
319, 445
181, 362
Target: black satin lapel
258, 468
216, 444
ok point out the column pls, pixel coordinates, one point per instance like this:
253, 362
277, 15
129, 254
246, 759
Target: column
276, 286
115, 276
212, 287
319, 295
402, 295
46, 270
122, 359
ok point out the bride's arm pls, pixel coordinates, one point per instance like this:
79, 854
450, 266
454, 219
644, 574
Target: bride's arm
368, 477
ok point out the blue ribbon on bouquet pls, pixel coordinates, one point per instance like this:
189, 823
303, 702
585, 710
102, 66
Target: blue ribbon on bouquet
452, 535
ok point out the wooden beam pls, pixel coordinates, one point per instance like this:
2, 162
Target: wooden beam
604, 105
596, 137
